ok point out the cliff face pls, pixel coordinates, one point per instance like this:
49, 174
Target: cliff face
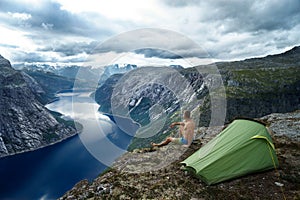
49, 83
25, 124
259, 86
259, 91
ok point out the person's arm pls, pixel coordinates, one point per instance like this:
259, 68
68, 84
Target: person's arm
177, 123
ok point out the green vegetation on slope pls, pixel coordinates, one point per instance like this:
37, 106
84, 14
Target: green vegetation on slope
253, 83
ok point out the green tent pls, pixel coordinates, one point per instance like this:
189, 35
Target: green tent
244, 147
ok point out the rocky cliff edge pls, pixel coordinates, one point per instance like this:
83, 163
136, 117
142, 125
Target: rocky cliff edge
171, 182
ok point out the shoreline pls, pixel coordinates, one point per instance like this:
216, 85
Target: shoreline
111, 117
71, 90
41, 147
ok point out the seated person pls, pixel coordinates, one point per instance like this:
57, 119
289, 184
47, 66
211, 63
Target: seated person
186, 130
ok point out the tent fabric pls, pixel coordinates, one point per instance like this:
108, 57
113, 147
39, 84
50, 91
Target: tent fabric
244, 147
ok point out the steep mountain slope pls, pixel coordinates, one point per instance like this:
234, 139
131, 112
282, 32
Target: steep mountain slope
149, 96
25, 124
55, 78
289, 58
254, 88
259, 86
50, 83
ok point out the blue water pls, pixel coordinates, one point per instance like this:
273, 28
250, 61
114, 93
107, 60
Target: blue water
49, 172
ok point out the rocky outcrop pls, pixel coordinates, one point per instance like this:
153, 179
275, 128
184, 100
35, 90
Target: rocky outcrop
131, 178
25, 124
257, 92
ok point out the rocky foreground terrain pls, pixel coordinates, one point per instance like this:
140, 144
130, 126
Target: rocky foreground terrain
157, 173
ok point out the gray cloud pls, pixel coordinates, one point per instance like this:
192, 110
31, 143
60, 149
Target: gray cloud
71, 48
159, 53
132, 41
51, 28
249, 15
9, 46
254, 16
42, 57
181, 3
49, 18
175, 54
232, 29
159, 43
227, 29
21, 56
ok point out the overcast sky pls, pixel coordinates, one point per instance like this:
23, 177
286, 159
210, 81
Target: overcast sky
68, 31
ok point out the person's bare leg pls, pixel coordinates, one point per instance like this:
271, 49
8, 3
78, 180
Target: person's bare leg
163, 143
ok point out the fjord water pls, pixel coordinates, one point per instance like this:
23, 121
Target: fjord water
47, 173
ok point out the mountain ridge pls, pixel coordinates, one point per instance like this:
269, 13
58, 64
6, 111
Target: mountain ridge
25, 124
254, 88
284, 59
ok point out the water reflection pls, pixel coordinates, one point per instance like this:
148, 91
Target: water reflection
51, 171
100, 135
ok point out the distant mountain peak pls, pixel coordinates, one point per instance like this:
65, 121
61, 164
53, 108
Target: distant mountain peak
294, 50
292, 55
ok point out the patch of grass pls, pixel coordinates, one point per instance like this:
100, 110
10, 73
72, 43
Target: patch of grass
255, 82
